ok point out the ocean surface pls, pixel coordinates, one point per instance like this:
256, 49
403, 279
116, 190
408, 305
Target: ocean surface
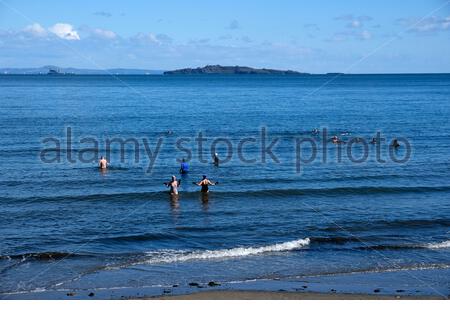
67, 227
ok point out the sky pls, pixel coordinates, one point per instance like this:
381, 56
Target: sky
311, 36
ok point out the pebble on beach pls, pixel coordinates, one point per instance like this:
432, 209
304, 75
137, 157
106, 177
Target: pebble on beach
213, 284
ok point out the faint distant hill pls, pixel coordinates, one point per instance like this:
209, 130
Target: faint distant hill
46, 69
218, 69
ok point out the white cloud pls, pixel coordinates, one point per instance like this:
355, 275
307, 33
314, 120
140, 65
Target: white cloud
151, 38
35, 29
428, 25
64, 31
354, 22
146, 38
353, 34
105, 34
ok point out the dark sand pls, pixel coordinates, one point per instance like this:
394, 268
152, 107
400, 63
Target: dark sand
267, 295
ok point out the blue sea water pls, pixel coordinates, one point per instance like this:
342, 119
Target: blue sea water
66, 226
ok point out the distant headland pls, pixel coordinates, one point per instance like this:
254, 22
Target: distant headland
218, 69
55, 70
208, 69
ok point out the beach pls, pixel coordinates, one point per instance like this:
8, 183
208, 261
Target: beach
261, 295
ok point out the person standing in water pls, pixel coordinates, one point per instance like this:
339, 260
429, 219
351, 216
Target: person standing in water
216, 159
184, 167
395, 144
205, 183
102, 164
173, 184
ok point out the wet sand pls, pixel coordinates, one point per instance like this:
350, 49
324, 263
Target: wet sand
267, 295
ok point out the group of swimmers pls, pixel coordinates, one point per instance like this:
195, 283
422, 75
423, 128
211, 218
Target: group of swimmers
174, 184
336, 140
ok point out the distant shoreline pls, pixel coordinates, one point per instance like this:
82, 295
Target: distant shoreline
215, 74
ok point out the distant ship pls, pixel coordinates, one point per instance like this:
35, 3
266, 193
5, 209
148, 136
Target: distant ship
56, 72
52, 72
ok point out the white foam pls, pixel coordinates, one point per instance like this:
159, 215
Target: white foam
182, 256
440, 245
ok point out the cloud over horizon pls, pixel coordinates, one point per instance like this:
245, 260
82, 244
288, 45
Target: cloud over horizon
320, 49
64, 31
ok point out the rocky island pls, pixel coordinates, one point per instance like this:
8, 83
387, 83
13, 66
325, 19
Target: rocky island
218, 69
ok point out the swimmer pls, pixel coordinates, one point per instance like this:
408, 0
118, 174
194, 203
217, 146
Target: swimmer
184, 167
173, 184
315, 131
205, 183
374, 141
216, 159
395, 143
335, 139
102, 164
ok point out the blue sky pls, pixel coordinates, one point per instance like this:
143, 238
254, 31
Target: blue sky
312, 36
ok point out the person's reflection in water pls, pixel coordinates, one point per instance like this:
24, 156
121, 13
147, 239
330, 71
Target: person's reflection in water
205, 201
175, 206
103, 171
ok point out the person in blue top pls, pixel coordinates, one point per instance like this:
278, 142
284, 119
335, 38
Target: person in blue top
184, 167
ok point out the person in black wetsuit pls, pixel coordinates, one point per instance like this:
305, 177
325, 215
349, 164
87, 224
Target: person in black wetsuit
205, 183
395, 144
216, 159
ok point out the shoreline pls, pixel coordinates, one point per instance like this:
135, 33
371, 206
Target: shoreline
271, 295
388, 285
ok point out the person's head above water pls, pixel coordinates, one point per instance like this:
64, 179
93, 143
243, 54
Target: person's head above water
204, 177
102, 157
174, 178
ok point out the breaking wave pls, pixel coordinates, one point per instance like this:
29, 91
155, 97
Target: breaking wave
174, 256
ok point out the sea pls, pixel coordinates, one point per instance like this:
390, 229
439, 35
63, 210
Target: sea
292, 211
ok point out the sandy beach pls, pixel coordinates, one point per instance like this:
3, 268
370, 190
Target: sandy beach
264, 295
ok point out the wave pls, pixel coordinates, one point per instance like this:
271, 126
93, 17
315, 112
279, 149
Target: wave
341, 191
175, 256
366, 241
41, 256
440, 245
385, 224
229, 253
433, 246
139, 237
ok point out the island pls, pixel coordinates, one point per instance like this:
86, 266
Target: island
218, 69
